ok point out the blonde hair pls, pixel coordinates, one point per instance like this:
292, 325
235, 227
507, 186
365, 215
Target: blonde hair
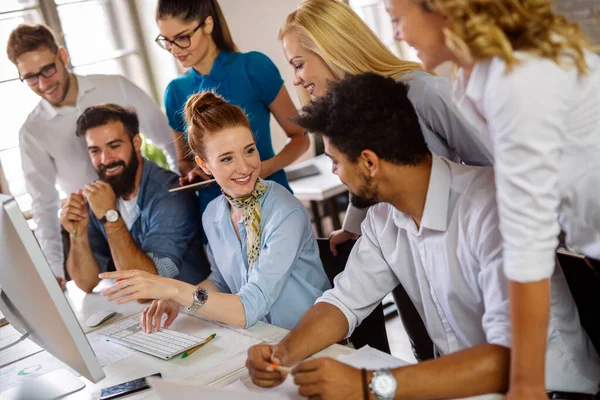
208, 113
332, 30
480, 29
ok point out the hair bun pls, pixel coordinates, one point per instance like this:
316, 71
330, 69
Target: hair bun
205, 100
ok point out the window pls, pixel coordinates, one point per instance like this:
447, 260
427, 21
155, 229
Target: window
107, 43
374, 14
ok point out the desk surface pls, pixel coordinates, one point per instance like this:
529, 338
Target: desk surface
318, 187
218, 364
224, 358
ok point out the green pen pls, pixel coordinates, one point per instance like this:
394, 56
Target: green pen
193, 349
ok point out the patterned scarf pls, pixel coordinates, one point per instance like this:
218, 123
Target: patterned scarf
251, 215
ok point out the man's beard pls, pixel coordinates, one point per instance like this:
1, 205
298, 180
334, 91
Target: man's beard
124, 183
367, 195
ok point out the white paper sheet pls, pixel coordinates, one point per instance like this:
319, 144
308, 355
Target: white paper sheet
286, 391
169, 389
23, 349
108, 352
370, 358
36, 365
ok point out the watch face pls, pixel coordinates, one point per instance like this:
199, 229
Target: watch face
384, 385
201, 295
112, 216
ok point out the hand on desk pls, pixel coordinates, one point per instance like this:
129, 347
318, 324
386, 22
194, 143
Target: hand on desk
137, 285
152, 315
259, 364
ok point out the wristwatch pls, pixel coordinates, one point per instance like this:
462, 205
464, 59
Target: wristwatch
383, 384
110, 216
200, 297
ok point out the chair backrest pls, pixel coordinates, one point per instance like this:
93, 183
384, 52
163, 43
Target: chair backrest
372, 330
584, 284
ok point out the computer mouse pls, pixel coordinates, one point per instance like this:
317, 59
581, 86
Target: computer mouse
99, 317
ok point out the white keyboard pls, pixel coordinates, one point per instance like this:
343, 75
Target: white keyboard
162, 344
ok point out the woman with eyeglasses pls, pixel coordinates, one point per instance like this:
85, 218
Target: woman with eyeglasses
195, 32
529, 83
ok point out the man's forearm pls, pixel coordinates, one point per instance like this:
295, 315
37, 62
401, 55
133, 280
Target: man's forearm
321, 326
125, 253
479, 370
82, 265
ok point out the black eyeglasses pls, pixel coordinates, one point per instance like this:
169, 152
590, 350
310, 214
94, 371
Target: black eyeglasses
181, 41
47, 72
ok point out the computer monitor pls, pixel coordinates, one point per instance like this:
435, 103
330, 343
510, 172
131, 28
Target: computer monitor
34, 304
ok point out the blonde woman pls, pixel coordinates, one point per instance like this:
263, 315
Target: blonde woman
325, 40
529, 84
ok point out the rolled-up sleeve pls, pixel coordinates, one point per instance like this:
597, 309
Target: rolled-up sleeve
491, 278
526, 115
366, 280
215, 275
40, 180
172, 227
277, 257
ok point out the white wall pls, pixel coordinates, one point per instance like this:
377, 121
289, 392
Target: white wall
254, 25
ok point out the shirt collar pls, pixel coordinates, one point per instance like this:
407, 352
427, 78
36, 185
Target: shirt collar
221, 215
474, 88
435, 213
217, 67
84, 85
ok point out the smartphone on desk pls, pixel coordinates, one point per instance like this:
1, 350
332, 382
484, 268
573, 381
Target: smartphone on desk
124, 388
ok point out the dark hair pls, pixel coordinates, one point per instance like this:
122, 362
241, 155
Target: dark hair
199, 10
26, 38
368, 112
102, 114
207, 113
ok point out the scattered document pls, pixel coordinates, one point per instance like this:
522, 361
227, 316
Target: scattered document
19, 351
170, 389
288, 390
370, 358
21, 371
106, 351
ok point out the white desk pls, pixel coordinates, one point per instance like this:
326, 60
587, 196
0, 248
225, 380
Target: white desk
224, 357
218, 364
320, 188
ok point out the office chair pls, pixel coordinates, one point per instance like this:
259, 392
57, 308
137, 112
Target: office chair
584, 283
372, 330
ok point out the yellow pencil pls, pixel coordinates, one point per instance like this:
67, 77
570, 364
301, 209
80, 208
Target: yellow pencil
193, 349
75, 229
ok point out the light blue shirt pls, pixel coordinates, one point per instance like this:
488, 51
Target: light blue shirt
288, 276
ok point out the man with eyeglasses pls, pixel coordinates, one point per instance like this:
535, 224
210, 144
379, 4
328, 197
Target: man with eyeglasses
51, 153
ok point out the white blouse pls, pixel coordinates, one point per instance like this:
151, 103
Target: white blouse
541, 122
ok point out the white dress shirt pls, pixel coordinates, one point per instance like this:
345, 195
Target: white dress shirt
451, 268
541, 122
52, 154
446, 132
